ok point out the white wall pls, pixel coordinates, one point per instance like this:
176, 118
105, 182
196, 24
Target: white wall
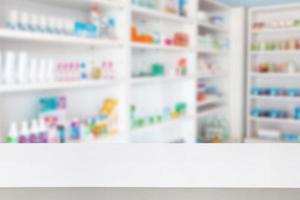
148, 194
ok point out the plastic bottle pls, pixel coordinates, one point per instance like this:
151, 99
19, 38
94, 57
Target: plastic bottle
53, 135
33, 137
12, 22
22, 65
24, 22
43, 135
24, 134
33, 23
42, 71
42, 24
13, 133
9, 68
33, 71
50, 77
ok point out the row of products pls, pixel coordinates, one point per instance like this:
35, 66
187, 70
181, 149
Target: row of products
277, 114
217, 20
53, 127
98, 26
19, 68
278, 45
209, 68
176, 7
277, 135
276, 24
275, 92
285, 67
177, 39
210, 42
206, 92
159, 70
214, 129
167, 113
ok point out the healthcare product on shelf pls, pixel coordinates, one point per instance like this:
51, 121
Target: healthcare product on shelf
277, 135
217, 20
207, 68
183, 8
171, 6
152, 4
178, 69
269, 134
290, 137
214, 129
210, 42
207, 92
51, 125
284, 67
268, 113
276, 24
280, 92
13, 134
164, 114
277, 45
48, 70
178, 39
9, 67
24, 133
32, 22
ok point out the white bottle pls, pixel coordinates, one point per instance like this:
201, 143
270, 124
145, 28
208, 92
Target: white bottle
34, 131
33, 24
42, 71
24, 22
33, 71
59, 26
9, 68
24, 134
50, 76
22, 75
52, 25
12, 22
13, 136
42, 24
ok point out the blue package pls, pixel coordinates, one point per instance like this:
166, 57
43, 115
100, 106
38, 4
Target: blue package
91, 30
80, 29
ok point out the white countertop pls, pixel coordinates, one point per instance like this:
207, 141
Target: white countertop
166, 166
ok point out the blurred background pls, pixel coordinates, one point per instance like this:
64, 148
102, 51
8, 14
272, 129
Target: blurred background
149, 71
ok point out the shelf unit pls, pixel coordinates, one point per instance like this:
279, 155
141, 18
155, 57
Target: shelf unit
167, 88
151, 92
290, 80
215, 107
84, 98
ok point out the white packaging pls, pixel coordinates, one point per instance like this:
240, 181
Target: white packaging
24, 22
50, 76
22, 76
42, 23
269, 134
9, 68
33, 71
60, 26
69, 26
13, 19
34, 23
42, 71
52, 25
